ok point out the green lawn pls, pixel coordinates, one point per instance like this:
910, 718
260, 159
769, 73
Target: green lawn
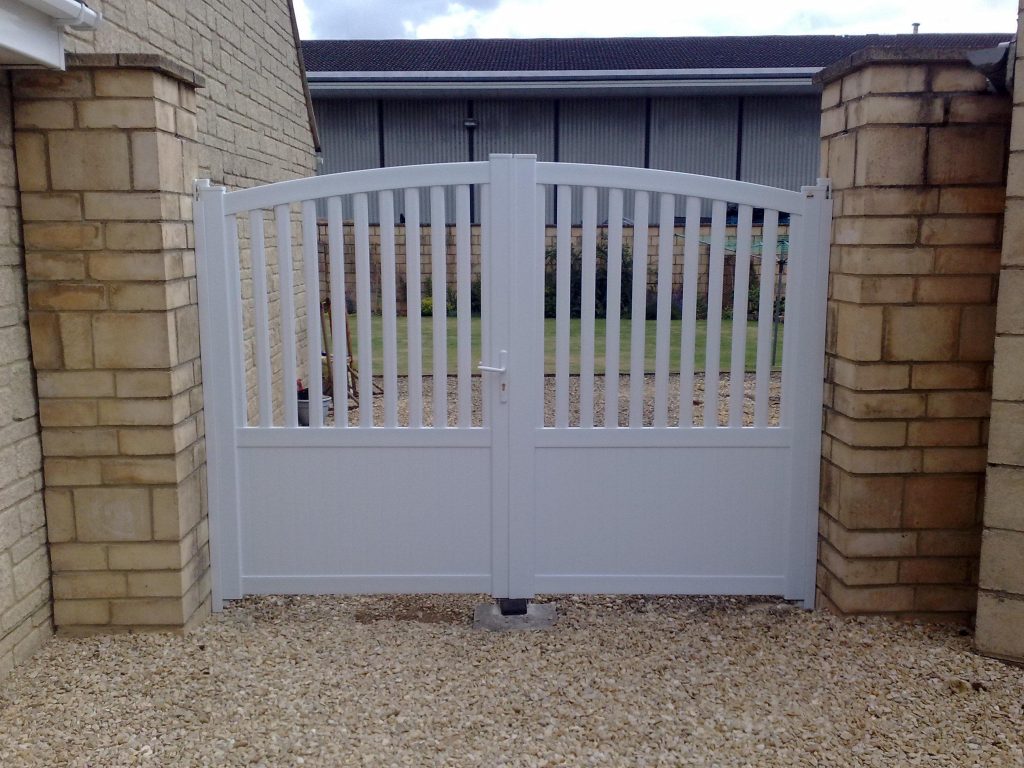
574, 344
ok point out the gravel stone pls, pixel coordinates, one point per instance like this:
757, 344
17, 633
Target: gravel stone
402, 402
405, 681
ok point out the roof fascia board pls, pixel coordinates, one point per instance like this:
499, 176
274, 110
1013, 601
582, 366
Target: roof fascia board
795, 85
564, 74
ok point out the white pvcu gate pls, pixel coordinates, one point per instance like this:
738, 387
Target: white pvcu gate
507, 480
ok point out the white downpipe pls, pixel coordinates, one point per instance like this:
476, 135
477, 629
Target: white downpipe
71, 13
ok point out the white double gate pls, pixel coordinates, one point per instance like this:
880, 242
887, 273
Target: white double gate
511, 481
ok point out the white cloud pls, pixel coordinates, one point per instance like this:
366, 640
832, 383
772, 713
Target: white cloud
303, 18
586, 18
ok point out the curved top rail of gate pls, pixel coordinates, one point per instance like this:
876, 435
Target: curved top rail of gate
399, 177
353, 182
671, 182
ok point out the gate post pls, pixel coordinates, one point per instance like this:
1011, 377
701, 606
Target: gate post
526, 357
804, 372
223, 398
516, 265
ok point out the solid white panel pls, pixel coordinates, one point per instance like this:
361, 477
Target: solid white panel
329, 512
671, 512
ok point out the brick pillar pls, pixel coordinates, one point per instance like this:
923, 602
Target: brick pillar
1001, 599
106, 157
915, 149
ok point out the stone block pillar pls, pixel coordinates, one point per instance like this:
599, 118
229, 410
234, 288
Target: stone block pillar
106, 156
915, 148
1000, 629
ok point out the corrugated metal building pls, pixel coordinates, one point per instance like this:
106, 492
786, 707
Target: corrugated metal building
736, 107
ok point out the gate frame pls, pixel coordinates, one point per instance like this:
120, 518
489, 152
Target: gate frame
511, 241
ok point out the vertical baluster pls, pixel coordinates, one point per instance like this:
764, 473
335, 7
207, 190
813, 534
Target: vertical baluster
439, 287
714, 328
613, 295
741, 283
485, 294
688, 342
389, 325
663, 324
339, 309
282, 214
311, 276
463, 309
261, 323
638, 329
563, 256
587, 306
413, 302
235, 275
766, 316
363, 309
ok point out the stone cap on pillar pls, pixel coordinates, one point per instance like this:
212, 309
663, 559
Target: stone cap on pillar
879, 54
157, 62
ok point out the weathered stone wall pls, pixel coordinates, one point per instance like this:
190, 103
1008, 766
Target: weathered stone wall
252, 123
24, 566
106, 158
251, 117
916, 149
1001, 599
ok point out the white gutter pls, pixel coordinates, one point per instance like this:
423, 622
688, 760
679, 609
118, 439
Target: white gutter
561, 74
68, 13
561, 89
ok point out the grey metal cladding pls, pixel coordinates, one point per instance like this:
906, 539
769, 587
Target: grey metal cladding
349, 138
603, 131
514, 126
695, 135
780, 140
349, 141
418, 131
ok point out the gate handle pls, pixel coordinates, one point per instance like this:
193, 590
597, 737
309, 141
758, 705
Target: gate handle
501, 368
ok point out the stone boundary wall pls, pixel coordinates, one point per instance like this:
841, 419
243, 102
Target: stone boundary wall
106, 158
915, 146
1001, 599
24, 565
252, 126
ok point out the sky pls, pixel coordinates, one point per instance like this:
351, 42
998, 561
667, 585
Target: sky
326, 19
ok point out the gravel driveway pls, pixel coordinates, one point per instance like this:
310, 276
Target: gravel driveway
672, 401
632, 681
